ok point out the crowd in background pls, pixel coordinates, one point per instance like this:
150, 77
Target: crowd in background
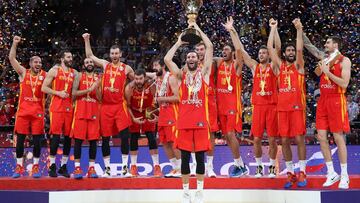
147, 28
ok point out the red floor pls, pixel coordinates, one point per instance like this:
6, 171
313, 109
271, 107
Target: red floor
46, 183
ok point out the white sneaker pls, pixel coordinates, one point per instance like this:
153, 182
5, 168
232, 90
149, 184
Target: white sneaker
192, 169
186, 198
344, 182
331, 179
199, 197
272, 172
107, 173
125, 173
211, 173
259, 171
175, 173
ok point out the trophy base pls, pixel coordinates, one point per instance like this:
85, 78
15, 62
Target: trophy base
191, 36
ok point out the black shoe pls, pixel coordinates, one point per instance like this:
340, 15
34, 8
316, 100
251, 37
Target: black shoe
52, 171
63, 171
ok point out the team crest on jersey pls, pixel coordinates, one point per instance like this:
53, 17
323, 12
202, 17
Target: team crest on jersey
200, 124
121, 68
39, 115
170, 122
93, 117
67, 109
41, 77
296, 107
231, 112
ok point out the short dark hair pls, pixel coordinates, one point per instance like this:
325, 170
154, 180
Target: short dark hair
140, 71
263, 47
115, 46
229, 45
62, 53
160, 60
337, 40
288, 44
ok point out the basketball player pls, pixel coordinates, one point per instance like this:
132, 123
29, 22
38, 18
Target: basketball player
58, 83
30, 113
331, 112
167, 96
139, 95
264, 101
193, 120
114, 115
228, 97
291, 100
86, 125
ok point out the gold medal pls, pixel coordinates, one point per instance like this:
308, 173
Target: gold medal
262, 86
288, 82
112, 81
230, 88
33, 92
66, 87
190, 88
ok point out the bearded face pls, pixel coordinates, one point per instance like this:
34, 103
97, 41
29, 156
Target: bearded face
192, 61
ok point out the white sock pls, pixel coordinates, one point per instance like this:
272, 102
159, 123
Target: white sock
36, 160
173, 163
258, 161
125, 159
52, 160
133, 159
239, 162
186, 188
64, 160
155, 159
330, 167
200, 185
77, 164
302, 164
91, 164
19, 161
178, 164
107, 162
290, 166
209, 160
344, 169
272, 162
193, 157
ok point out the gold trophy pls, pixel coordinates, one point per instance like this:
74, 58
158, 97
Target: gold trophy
192, 7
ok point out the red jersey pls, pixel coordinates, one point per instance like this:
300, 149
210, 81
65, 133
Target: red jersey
291, 89
62, 81
31, 98
327, 86
264, 88
140, 100
228, 86
87, 106
193, 106
113, 84
168, 111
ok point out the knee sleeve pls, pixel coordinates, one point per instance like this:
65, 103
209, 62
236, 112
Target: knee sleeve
54, 144
37, 145
92, 150
185, 160
151, 140
200, 162
134, 137
20, 139
77, 149
105, 147
67, 145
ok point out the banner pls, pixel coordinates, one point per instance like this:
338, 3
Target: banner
223, 160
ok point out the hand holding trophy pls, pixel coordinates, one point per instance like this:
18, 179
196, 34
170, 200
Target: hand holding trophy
191, 35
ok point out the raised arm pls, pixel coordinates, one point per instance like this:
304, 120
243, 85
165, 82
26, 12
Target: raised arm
173, 83
89, 53
299, 45
276, 61
209, 51
342, 81
168, 59
312, 48
46, 86
12, 58
277, 41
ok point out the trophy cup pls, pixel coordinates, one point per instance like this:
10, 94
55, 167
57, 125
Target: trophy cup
192, 7
151, 112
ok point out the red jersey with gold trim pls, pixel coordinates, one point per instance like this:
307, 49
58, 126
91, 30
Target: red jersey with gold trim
87, 106
168, 111
113, 84
31, 98
62, 81
327, 86
193, 106
140, 100
291, 88
265, 87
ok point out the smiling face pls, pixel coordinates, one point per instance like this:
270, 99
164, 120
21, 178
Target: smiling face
35, 64
89, 65
290, 54
67, 59
157, 68
263, 55
200, 50
115, 55
227, 53
192, 60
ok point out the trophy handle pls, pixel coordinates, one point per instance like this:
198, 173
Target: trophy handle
191, 18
